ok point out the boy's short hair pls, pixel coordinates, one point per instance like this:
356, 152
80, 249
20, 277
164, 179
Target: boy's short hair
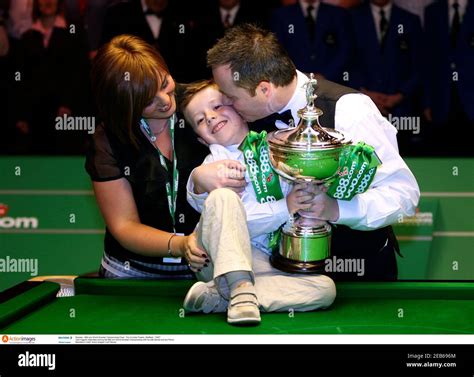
190, 90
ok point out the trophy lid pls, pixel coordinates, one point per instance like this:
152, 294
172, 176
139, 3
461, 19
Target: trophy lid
308, 135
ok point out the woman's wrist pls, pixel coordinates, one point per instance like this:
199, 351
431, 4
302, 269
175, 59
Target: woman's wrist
176, 246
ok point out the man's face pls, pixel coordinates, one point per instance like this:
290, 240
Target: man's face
251, 108
213, 120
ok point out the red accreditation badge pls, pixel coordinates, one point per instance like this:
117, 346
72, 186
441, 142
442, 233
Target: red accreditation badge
3, 209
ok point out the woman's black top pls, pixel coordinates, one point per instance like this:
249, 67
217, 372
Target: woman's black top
107, 159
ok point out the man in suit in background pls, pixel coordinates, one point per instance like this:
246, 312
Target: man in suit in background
157, 24
387, 64
449, 85
317, 36
211, 24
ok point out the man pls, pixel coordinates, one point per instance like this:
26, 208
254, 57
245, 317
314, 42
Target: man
449, 87
253, 70
387, 67
157, 24
317, 36
215, 19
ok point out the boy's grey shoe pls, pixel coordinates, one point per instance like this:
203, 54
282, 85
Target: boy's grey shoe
243, 307
204, 297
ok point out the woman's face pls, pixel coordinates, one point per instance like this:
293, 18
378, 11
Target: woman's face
163, 105
48, 7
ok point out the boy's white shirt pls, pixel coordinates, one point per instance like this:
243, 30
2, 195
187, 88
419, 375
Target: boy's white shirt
262, 219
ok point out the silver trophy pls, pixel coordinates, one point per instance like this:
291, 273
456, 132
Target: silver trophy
306, 153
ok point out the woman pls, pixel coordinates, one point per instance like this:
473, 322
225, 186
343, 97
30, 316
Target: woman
134, 159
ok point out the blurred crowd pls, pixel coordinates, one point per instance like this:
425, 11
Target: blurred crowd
414, 59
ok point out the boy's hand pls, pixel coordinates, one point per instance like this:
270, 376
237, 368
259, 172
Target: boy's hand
299, 198
220, 174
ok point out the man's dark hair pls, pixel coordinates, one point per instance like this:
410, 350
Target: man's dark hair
254, 55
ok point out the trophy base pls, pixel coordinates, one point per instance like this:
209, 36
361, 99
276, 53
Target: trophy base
296, 267
303, 249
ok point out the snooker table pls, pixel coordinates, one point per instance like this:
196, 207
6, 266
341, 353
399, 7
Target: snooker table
103, 306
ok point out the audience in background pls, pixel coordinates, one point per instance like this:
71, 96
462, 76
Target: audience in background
317, 37
51, 68
387, 65
4, 42
211, 24
157, 23
413, 75
416, 7
90, 14
4, 50
449, 90
20, 17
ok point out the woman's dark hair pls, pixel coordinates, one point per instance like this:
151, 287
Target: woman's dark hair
126, 74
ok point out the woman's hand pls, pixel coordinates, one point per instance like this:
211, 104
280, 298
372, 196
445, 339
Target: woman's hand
220, 174
197, 258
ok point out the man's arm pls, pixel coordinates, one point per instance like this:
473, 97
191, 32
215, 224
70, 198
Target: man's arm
394, 192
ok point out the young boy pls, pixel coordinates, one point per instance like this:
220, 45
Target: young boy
236, 232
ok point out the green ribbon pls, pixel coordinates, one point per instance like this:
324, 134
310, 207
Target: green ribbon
265, 180
357, 167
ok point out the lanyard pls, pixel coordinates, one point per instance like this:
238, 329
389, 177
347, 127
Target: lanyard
171, 192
